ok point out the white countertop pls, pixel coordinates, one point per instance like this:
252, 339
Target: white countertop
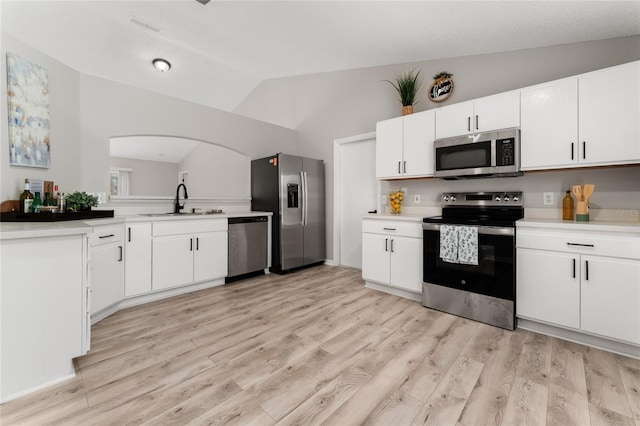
400, 217
597, 226
16, 230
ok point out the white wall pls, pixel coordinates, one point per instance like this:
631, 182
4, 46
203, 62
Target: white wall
325, 107
149, 178
86, 111
64, 97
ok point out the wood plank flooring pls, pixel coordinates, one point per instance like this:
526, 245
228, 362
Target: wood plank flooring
316, 347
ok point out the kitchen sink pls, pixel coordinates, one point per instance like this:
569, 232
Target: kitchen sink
169, 214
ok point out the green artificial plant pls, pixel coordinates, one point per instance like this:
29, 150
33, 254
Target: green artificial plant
77, 201
407, 86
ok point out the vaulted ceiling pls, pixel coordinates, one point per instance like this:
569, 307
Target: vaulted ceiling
221, 51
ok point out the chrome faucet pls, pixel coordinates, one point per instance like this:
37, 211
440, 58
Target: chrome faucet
177, 207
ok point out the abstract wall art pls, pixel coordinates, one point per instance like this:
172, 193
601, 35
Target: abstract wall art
28, 111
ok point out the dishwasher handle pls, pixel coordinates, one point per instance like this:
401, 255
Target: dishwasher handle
247, 219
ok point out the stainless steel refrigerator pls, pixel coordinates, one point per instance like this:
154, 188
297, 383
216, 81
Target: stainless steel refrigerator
292, 188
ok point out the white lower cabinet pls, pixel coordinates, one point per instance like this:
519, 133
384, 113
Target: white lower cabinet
182, 256
585, 281
392, 253
137, 266
106, 266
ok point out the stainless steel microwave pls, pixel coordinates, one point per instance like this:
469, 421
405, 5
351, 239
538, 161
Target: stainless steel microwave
490, 154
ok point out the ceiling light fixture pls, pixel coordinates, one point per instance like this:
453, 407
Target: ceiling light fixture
161, 65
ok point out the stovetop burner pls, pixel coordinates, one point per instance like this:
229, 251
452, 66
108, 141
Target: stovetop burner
480, 208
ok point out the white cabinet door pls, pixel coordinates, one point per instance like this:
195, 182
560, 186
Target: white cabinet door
549, 125
611, 297
137, 271
454, 120
419, 133
210, 256
496, 112
406, 263
107, 269
172, 261
375, 258
609, 110
548, 287
389, 148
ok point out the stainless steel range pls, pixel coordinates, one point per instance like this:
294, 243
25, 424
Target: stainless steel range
469, 256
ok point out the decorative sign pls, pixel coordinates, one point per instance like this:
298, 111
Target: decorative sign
441, 88
28, 102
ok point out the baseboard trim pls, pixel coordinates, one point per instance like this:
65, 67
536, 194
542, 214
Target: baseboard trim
394, 290
608, 345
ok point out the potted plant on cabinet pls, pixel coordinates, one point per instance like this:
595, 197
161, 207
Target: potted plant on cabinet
80, 201
407, 85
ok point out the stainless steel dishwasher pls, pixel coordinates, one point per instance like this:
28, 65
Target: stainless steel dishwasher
248, 246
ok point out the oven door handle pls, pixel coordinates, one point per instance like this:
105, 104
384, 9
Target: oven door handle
482, 230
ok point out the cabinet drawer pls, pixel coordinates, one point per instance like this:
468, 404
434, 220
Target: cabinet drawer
106, 234
582, 243
390, 227
188, 227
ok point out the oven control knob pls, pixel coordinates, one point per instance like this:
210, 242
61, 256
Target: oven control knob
506, 198
453, 198
445, 198
515, 198
497, 198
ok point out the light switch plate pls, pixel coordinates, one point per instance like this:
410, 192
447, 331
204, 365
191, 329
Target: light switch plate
547, 198
416, 198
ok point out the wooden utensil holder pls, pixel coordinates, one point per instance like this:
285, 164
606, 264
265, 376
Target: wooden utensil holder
582, 211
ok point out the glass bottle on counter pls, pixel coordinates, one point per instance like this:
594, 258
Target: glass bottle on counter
26, 198
567, 207
47, 199
37, 202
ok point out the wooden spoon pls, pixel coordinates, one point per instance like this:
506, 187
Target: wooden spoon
587, 190
577, 192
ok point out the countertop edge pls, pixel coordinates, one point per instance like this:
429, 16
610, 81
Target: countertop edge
595, 226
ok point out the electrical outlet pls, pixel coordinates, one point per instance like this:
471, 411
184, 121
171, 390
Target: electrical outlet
547, 198
383, 199
416, 198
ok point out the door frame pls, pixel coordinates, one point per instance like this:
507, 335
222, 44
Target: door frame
337, 183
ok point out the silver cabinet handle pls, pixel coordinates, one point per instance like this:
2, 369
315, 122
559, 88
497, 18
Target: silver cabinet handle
405, 167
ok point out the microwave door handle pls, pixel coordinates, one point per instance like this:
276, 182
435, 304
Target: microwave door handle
493, 152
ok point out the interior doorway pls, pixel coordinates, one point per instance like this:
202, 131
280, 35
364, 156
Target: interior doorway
355, 192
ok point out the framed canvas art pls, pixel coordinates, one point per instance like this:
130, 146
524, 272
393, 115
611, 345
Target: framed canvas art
28, 111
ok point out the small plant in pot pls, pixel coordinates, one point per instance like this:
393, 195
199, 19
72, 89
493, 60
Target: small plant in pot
80, 201
407, 86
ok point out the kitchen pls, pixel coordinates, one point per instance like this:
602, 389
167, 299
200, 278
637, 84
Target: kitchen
107, 108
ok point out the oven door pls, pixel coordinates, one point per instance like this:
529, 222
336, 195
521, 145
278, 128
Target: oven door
493, 276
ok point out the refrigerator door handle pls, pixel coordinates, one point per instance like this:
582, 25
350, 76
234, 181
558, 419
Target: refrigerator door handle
305, 199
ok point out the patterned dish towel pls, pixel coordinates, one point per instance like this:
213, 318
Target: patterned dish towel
468, 245
459, 244
449, 243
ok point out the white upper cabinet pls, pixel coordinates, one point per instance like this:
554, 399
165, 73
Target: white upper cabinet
609, 115
588, 120
389, 135
404, 146
549, 125
494, 112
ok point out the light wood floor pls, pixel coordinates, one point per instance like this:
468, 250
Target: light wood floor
316, 346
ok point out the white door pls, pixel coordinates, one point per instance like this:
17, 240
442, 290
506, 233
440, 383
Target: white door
377, 265
106, 276
496, 112
388, 147
172, 261
358, 193
419, 132
137, 269
210, 256
406, 263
